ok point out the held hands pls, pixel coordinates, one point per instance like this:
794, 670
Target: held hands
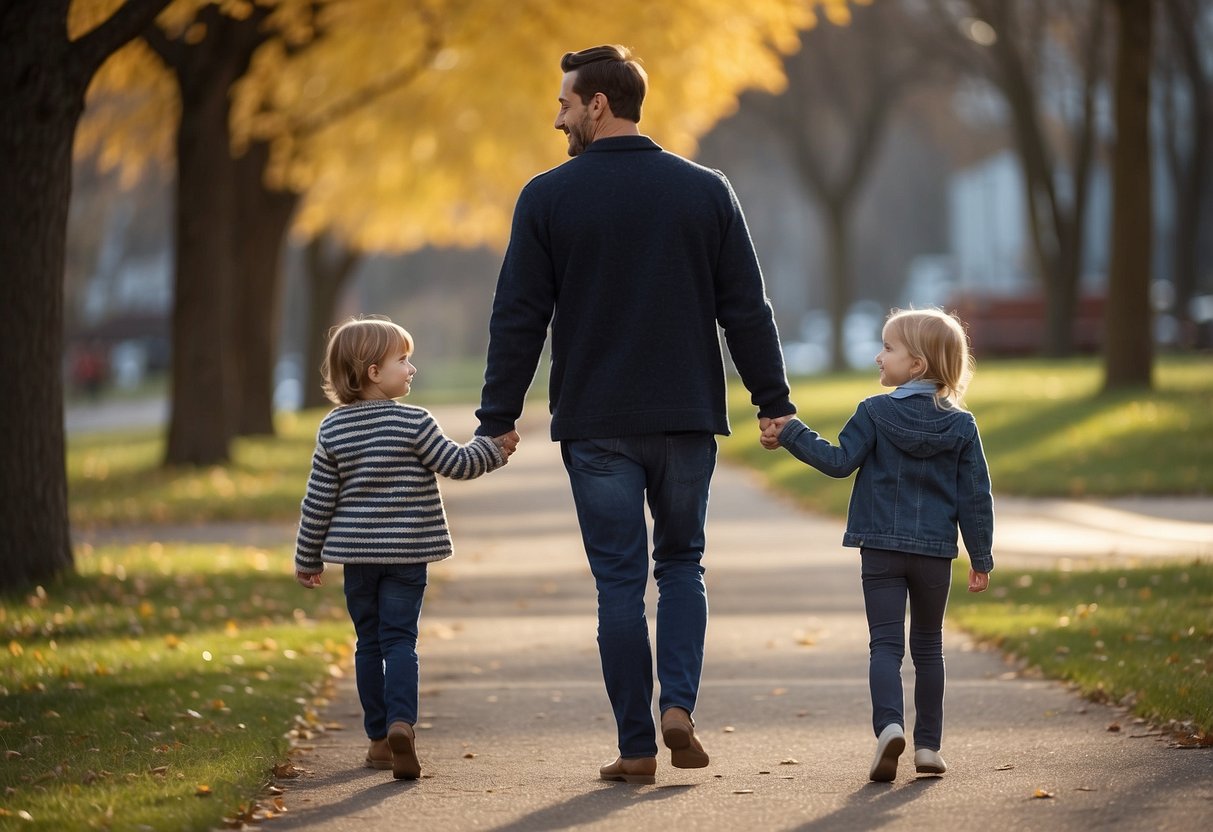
508, 443
978, 581
771, 429
309, 580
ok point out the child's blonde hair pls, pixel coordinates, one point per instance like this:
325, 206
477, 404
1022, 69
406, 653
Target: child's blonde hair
353, 347
939, 340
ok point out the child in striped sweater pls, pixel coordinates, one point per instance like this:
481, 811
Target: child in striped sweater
372, 505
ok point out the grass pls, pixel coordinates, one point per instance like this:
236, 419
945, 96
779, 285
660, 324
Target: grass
1046, 430
156, 688
1141, 637
116, 478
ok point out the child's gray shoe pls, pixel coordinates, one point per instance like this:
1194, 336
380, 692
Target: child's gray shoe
889, 745
927, 761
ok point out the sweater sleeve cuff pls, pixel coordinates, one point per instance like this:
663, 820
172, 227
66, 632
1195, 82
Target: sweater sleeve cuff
776, 409
492, 427
497, 455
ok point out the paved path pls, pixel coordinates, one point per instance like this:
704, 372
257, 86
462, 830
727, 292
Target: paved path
515, 721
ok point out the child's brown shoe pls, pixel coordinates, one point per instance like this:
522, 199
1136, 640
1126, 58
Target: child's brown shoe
678, 732
379, 755
636, 770
402, 741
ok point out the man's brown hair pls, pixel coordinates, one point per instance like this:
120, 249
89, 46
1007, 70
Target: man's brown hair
612, 71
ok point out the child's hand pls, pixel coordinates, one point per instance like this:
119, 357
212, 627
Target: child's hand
978, 581
771, 428
310, 580
507, 442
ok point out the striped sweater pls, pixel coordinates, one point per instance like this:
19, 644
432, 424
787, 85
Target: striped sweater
372, 496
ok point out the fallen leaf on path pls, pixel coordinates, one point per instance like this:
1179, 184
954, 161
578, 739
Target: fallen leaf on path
1041, 794
728, 729
1114, 727
1006, 767
471, 755
743, 791
790, 761
285, 771
1084, 789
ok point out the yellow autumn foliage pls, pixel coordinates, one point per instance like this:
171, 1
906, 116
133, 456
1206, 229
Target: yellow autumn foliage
412, 124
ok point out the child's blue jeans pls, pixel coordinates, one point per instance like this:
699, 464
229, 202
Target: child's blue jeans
384, 601
889, 577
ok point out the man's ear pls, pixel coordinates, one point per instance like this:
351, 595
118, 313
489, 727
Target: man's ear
599, 105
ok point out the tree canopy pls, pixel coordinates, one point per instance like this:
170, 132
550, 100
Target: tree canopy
404, 125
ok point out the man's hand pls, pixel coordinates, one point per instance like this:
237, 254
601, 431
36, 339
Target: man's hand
771, 428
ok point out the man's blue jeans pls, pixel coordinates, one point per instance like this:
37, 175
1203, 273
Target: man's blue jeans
384, 601
889, 577
611, 479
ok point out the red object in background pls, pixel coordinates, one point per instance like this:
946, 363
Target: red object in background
1000, 325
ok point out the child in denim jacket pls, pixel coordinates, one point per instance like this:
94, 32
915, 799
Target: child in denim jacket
922, 474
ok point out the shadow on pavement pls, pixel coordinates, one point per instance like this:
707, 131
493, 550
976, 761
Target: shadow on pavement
593, 806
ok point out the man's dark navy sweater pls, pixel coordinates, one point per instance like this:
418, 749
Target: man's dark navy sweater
633, 255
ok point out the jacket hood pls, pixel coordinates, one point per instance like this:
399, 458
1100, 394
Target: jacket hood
917, 426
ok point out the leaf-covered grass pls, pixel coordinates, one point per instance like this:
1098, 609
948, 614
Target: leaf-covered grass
1141, 636
155, 689
1046, 428
116, 478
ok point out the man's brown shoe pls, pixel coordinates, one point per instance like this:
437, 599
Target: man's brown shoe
637, 770
379, 755
405, 765
678, 732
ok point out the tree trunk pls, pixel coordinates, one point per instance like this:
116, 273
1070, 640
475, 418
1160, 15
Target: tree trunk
838, 239
1128, 344
263, 218
1190, 164
43, 77
199, 426
38, 113
325, 277
203, 391
1061, 294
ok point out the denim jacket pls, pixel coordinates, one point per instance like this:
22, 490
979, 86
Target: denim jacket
922, 473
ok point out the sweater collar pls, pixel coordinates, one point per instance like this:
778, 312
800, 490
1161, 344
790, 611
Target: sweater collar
622, 143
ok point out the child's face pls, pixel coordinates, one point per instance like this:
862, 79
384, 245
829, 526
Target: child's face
896, 364
393, 376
